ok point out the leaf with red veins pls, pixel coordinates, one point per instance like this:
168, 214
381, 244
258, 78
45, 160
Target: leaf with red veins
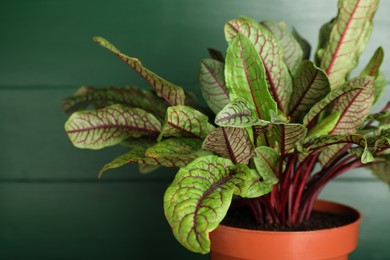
373, 69
183, 121
200, 196
292, 51
238, 113
288, 135
230, 142
246, 77
271, 54
173, 94
97, 129
347, 39
310, 86
267, 161
213, 85
354, 107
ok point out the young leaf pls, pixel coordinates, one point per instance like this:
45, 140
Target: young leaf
267, 163
109, 126
305, 45
246, 76
354, 107
183, 121
200, 195
230, 142
347, 39
213, 86
131, 96
292, 51
373, 69
271, 54
323, 39
173, 94
238, 113
326, 125
310, 86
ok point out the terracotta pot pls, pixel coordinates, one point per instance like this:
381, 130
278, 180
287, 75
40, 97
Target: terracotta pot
229, 243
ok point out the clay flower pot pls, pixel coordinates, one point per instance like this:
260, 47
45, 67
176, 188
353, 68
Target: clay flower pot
229, 243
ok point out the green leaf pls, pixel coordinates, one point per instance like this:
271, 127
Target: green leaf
310, 86
326, 102
136, 153
288, 135
238, 113
319, 142
246, 77
323, 40
131, 96
230, 142
381, 168
173, 94
305, 46
267, 163
213, 85
354, 107
326, 125
347, 39
373, 69
174, 152
183, 121
97, 129
292, 51
271, 54
200, 195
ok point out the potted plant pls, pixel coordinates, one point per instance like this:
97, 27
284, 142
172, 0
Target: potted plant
278, 128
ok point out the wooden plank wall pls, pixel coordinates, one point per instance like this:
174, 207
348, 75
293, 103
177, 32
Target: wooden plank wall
51, 204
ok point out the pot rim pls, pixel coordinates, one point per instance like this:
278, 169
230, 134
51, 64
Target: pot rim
357, 214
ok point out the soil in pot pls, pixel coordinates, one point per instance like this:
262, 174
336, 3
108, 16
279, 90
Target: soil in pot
242, 217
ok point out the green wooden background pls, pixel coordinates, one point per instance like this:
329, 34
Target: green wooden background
51, 204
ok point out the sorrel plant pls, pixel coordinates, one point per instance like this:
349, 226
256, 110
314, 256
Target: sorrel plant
279, 127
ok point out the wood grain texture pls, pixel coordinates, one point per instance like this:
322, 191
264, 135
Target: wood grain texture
51, 204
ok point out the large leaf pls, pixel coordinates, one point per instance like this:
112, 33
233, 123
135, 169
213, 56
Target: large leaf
347, 39
292, 51
213, 86
310, 86
354, 107
186, 122
230, 142
373, 69
238, 113
173, 94
127, 96
200, 195
271, 54
96, 129
246, 77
